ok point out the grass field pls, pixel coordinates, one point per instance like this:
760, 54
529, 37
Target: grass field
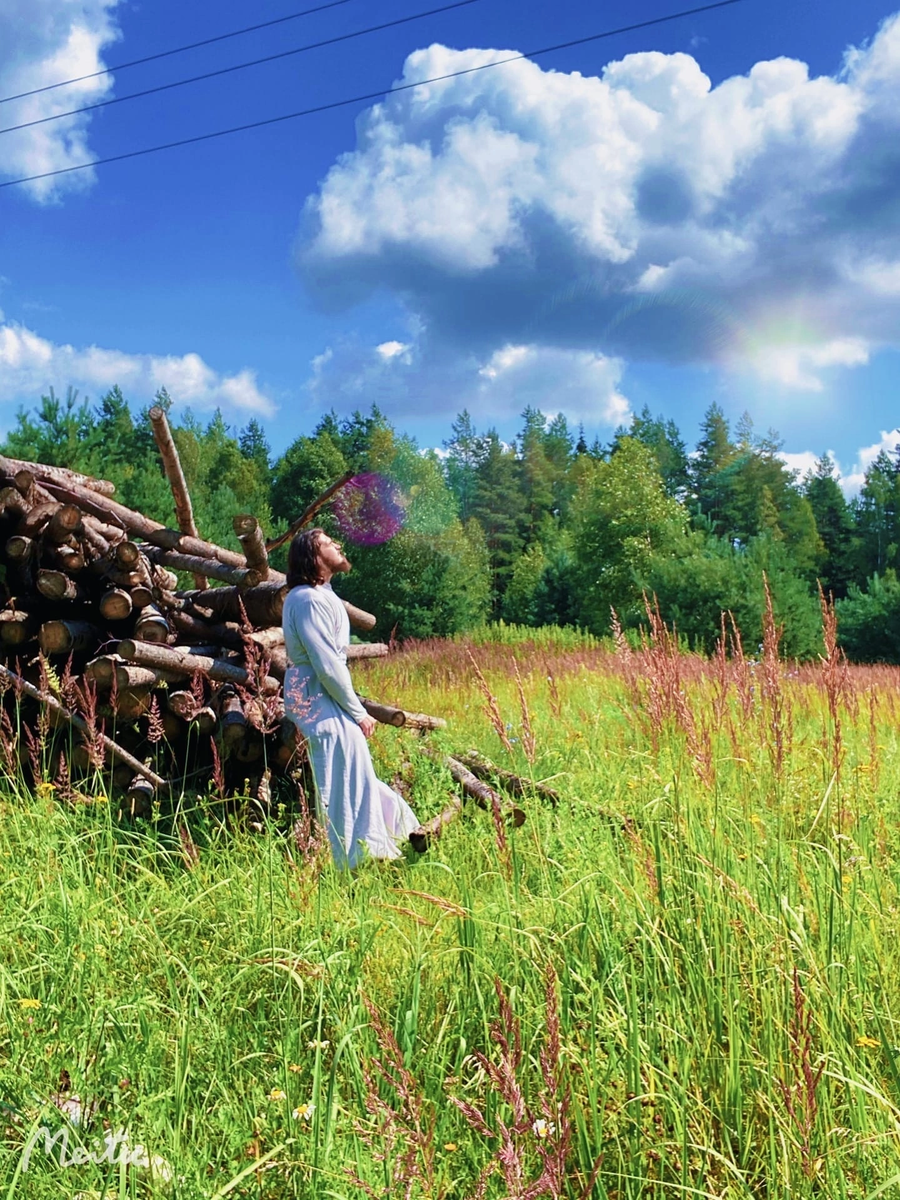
679, 981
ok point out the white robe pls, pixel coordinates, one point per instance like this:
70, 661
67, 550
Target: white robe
362, 814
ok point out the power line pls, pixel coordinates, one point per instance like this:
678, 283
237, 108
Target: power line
255, 62
136, 62
403, 87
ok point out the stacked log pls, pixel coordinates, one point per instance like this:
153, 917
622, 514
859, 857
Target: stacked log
159, 683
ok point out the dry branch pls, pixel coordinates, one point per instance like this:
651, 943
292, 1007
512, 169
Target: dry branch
168, 451
307, 515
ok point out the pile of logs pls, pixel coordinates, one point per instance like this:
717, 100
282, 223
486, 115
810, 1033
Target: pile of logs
160, 683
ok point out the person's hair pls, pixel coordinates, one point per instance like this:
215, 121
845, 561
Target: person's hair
303, 558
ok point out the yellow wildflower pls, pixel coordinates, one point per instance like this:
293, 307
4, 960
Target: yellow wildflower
294, 1068
451, 1147
870, 1043
29, 1003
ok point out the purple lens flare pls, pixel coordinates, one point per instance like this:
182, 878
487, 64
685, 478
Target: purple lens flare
369, 509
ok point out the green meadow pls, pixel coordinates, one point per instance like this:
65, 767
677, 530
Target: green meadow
679, 979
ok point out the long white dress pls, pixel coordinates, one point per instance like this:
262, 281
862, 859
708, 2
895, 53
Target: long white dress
362, 814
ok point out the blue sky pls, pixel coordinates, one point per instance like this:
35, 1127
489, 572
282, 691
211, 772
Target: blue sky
703, 210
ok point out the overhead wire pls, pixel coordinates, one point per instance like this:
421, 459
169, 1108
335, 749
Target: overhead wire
382, 92
255, 62
137, 62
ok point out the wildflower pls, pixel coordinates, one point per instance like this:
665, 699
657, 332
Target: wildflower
294, 1068
543, 1129
869, 1042
29, 1003
276, 1094
304, 1112
314, 1045
451, 1147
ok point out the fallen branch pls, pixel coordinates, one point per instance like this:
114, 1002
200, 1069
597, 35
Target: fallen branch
421, 838
308, 513
484, 796
485, 769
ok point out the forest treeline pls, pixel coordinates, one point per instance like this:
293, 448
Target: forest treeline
548, 530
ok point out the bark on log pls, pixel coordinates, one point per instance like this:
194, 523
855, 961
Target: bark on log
263, 604
242, 577
67, 637
366, 650
388, 715
420, 839
79, 723
109, 669
384, 713
253, 543
359, 618
232, 720
45, 473
484, 796
167, 658
139, 797
227, 634
36, 519
307, 515
184, 511
150, 531
513, 783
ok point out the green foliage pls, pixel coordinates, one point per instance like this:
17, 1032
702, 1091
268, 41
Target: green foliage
622, 518
869, 620
422, 585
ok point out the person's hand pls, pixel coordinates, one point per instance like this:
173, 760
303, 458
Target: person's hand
367, 725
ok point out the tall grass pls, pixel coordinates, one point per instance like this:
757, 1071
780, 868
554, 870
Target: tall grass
680, 981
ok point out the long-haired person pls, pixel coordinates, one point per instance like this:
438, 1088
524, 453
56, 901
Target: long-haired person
363, 815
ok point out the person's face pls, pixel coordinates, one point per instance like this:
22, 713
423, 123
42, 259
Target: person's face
331, 555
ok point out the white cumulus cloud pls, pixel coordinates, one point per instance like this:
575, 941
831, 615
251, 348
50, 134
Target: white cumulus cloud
44, 42
30, 365
409, 379
642, 213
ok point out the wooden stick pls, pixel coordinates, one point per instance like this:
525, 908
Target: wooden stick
184, 511
169, 659
250, 535
359, 618
79, 723
48, 474
308, 513
388, 715
484, 796
421, 838
366, 650
383, 712
485, 769
116, 605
